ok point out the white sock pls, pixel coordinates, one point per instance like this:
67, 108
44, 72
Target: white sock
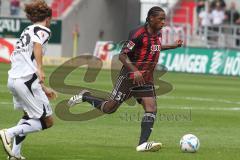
17, 142
29, 126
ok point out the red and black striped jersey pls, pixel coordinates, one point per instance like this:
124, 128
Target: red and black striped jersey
143, 49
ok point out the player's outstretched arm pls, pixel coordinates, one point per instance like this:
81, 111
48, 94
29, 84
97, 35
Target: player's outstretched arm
177, 44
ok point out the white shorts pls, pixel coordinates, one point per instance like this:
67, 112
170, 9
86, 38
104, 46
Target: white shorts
29, 96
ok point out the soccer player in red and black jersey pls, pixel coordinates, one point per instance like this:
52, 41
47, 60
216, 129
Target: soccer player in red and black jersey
139, 56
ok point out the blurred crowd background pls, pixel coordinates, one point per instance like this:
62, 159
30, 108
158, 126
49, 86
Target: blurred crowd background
82, 23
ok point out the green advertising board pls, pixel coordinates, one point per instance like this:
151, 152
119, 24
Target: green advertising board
13, 27
202, 60
191, 60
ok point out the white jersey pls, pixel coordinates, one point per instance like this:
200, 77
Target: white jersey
22, 59
218, 17
206, 18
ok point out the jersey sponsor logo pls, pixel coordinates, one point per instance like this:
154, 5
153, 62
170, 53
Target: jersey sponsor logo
130, 45
20, 51
155, 48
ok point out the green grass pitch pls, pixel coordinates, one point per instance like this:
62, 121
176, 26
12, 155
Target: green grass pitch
209, 107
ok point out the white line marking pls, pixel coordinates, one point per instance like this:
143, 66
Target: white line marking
172, 107
204, 108
200, 99
6, 103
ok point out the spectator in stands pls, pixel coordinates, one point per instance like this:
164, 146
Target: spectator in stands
200, 6
14, 7
214, 4
218, 17
232, 15
218, 14
205, 17
205, 20
237, 22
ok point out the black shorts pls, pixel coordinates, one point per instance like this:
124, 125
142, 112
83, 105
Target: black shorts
125, 89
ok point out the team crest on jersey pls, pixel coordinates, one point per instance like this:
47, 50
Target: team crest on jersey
130, 45
42, 34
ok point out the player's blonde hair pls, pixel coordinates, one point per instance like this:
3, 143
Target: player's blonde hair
37, 11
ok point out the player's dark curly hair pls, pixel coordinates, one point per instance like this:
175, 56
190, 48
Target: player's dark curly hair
154, 11
37, 11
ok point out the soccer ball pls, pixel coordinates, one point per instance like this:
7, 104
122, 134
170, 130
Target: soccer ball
189, 143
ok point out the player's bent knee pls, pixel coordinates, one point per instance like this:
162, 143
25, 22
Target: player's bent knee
110, 107
50, 122
47, 122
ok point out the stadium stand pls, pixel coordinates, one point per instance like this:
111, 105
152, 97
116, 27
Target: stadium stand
186, 16
222, 35
184, 12
59, 6
182, 22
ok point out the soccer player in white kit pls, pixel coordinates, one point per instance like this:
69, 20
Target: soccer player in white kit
26, 80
